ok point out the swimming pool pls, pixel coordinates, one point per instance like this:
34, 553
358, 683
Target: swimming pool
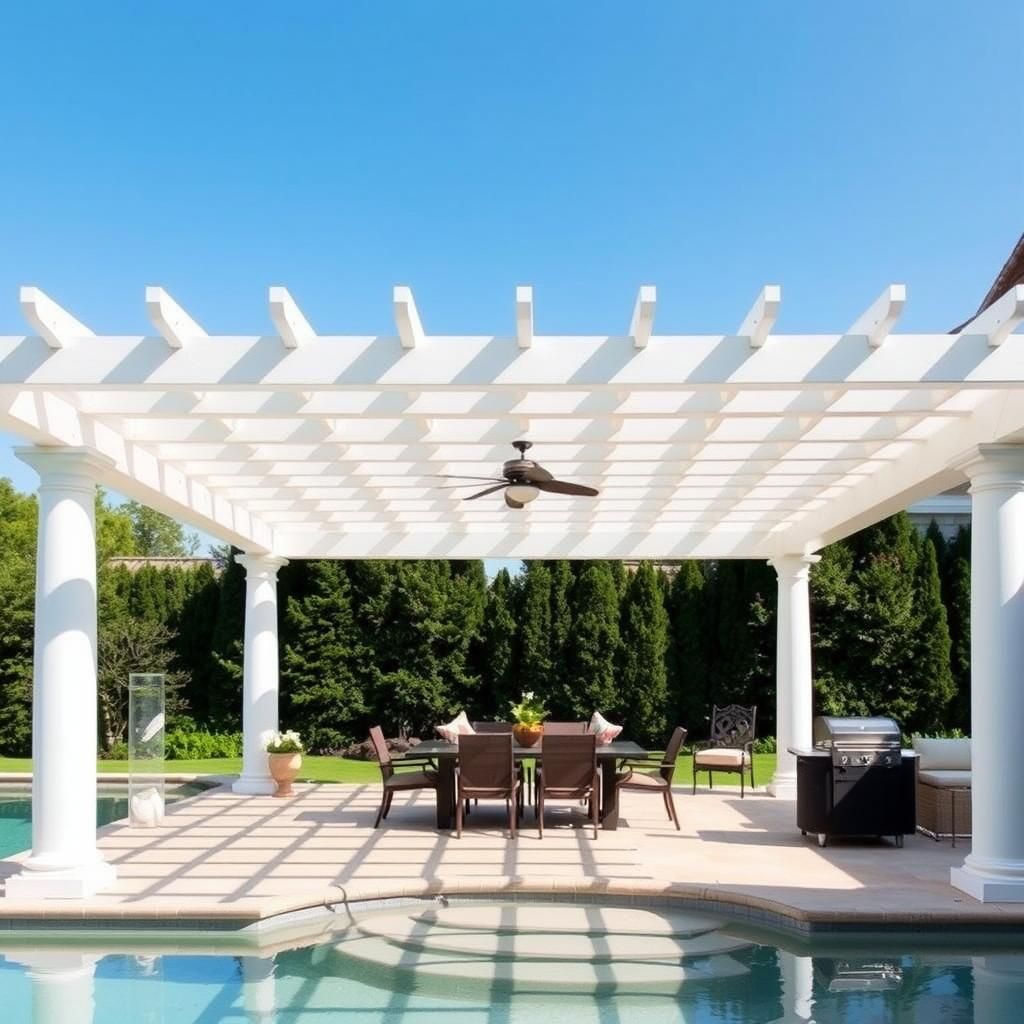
111, 805
516, 963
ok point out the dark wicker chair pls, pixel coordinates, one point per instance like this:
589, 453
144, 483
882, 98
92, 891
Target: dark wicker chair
658, 775
412, 773
731, 747
565, 728
487, 771
489, 729
568, 772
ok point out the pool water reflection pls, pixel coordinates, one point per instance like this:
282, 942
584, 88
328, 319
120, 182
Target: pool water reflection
431, 973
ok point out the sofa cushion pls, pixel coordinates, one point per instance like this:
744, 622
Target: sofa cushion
943, 778
458, 726
943, 753
723, 757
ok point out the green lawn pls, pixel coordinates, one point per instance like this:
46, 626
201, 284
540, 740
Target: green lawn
340, 769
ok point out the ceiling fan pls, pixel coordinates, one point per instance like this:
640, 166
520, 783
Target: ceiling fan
522, 480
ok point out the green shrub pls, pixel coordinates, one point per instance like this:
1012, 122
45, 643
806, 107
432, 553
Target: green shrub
118, 752
200, 745
765, 745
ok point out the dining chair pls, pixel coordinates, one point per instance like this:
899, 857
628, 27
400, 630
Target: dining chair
414, 773
568, 771
486, 770
657, 778
731, 746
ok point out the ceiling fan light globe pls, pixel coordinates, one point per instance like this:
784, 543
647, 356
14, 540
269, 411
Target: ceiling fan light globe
523, 493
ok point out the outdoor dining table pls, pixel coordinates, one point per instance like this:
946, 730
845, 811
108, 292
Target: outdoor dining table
447, 756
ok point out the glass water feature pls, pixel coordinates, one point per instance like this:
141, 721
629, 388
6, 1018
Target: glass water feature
146, 728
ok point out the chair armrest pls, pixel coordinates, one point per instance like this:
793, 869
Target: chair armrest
645, 762
413, 762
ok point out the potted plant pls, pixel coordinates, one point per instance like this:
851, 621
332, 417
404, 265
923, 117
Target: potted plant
284, 758
528, 714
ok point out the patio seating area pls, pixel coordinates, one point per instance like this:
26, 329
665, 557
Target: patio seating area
231, 858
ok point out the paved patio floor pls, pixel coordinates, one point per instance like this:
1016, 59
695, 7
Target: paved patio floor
243, 859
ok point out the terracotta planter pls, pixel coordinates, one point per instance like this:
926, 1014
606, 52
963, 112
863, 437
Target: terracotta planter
527, 735
283, 769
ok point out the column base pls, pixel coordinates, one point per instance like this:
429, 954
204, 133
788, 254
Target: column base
782, 787
254, 785
987, 888
75, 883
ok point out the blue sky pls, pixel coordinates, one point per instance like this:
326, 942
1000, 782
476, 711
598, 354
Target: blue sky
464, 148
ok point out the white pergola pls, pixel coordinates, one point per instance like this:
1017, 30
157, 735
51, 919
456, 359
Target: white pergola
298, 444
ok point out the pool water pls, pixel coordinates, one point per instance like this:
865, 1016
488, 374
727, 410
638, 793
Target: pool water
111, 805
427, 964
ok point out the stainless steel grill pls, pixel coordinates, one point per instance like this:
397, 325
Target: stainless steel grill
858, 741
855, 781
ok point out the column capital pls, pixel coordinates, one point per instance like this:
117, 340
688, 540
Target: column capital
65, 466
261, 567
793, 567
993, 465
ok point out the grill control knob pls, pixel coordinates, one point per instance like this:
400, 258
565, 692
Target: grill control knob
864, 758
844, 760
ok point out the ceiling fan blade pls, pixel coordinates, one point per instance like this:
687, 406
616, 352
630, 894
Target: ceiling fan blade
468, 483
511, 502
443, 476
486, 490
562, 487
537, 473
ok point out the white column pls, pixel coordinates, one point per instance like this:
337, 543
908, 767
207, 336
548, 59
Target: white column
64, 861
793, 687
259, 671
62, 985
994, 869
797, 986
998, 987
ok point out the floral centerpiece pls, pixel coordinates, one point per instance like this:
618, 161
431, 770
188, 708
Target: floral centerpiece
284, 758
529, 715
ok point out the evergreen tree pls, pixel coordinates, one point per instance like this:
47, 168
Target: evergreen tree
687, 672
535, 662
643, 680
562, 581
590, 683
318, 667
958, 607
936, 687
498, 647
620, 574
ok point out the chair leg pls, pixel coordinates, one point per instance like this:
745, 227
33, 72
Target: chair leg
743, 780
380, 810
387, 803
540, 811
593, 813
711, 780
458, 817
670, 803
694, 790
512, 814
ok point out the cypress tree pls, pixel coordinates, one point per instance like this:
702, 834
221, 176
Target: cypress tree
934, 678
498, 647
958, 608
687, 682
620, 574
590, 683
562, 581
327, 704
643, 679
535, 663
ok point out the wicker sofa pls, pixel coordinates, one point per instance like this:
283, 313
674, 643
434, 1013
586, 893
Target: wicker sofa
943, 786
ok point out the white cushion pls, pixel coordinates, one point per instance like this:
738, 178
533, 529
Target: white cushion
458, 726
943, 778
943, 753
603, 729
724, 757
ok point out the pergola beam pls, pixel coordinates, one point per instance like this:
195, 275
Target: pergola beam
524, 316
292, 326
407, 318
878, 320
54, 324
758, 323
998, 321
642, 323
172, 323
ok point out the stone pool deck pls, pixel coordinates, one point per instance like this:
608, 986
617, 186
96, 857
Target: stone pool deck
231, 861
